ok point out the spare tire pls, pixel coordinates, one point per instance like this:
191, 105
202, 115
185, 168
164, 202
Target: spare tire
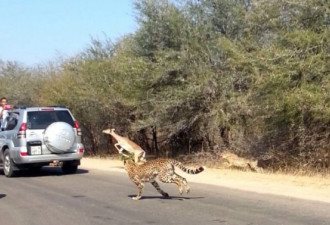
59, 137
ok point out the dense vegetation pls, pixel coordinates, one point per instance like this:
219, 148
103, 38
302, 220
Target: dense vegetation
252, 76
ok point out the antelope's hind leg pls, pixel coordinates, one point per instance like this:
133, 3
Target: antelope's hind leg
163, 193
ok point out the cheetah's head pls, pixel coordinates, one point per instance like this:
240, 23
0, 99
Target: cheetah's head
127, 156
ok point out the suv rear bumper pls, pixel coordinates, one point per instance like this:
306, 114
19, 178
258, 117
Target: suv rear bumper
30, 159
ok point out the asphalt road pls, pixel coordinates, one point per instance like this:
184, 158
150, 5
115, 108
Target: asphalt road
99, 197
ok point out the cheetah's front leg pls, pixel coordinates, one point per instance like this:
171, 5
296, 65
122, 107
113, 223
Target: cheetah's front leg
140, 186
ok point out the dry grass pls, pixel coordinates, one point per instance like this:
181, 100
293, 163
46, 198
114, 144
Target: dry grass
215, 160
208, 159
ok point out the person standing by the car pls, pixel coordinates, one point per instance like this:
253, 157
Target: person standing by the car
3, 111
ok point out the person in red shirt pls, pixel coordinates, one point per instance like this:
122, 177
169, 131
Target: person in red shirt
4, 107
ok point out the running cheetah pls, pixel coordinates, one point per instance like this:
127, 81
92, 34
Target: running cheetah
161, 168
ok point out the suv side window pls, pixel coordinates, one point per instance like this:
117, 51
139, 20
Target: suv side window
11, 121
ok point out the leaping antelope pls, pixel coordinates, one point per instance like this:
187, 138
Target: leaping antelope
123, 143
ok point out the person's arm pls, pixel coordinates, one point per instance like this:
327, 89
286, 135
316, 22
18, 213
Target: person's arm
9, 106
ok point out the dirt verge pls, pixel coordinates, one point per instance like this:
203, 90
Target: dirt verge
311, 188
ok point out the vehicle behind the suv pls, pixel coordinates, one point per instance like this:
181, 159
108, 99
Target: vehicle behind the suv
39, 136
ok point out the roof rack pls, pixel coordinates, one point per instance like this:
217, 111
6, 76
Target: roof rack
19, 107
57, 106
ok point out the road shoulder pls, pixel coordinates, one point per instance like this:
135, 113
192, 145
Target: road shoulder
310, 188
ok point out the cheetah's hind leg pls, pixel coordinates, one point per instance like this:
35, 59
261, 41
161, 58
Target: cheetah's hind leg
183, 181
177, 179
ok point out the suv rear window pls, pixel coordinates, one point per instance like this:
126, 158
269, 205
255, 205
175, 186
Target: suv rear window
42, 119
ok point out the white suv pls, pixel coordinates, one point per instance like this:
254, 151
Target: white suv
38, 136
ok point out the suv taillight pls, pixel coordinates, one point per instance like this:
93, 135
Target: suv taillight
76, 125
22, 131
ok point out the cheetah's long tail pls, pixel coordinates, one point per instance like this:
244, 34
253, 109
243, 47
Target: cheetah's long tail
188, 170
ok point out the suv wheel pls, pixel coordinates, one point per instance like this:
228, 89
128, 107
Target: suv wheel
59, 137
8, 165
68, 168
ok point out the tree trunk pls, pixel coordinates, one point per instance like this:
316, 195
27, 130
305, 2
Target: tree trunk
154, 140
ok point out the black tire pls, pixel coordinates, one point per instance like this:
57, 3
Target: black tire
8, 165
69, 168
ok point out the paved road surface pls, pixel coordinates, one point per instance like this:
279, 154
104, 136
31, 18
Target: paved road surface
99, 197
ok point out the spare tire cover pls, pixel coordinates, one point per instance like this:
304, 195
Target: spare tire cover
59, 137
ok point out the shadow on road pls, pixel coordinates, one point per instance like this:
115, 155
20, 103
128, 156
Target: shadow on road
118, 167
2, 195
43, 172
180, 198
